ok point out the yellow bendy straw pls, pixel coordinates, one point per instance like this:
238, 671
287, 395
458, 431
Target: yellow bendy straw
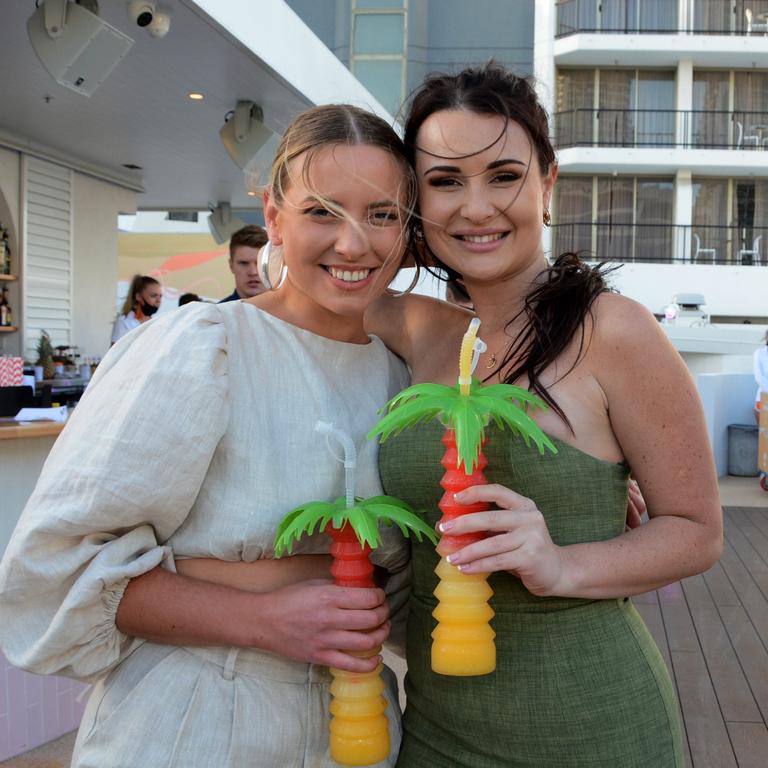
471, 349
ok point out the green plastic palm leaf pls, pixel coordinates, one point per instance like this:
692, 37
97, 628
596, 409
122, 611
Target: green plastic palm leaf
364, 517
468, 415
303, 519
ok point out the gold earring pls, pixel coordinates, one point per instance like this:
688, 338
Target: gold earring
547, 218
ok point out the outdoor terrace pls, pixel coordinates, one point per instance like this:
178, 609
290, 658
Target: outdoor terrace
700, 17
682, 129
664, 243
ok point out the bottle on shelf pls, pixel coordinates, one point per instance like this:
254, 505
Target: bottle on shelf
6, 315
5, 252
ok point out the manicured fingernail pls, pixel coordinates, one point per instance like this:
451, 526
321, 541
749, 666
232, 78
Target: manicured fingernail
450, 558
444, 527
458, 496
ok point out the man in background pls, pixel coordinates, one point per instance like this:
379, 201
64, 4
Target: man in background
187, 298
244, 247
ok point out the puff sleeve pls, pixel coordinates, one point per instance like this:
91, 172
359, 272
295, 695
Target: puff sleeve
119, 481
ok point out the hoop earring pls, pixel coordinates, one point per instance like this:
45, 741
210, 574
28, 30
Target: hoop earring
398, 294
264, 268
547, 218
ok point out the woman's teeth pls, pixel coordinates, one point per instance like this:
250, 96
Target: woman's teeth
349, 277
482, 238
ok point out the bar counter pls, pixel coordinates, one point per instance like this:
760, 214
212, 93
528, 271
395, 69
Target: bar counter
13, 430
24, 447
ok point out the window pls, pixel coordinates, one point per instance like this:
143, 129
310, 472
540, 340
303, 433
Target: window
379, 48
615, 218
633, 108
710, 121
730, 215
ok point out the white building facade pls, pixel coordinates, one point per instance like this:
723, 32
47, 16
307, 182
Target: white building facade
659, 113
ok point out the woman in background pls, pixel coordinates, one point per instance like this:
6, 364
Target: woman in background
143, 300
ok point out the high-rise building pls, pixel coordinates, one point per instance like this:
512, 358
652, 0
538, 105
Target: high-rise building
390, 45
660, 119
659, 115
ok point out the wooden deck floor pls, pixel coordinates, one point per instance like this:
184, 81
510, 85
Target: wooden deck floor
713, 632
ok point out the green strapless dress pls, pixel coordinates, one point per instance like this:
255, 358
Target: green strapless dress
579, 683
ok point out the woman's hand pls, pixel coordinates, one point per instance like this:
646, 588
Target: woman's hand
518, 540
320, 623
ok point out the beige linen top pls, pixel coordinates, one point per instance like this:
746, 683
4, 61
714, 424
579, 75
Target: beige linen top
195, 436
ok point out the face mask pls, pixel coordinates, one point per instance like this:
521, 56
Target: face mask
147, 309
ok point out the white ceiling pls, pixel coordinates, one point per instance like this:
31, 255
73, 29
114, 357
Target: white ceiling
141, 114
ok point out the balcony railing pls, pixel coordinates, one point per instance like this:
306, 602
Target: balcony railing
700, 129
663, 243
655, 17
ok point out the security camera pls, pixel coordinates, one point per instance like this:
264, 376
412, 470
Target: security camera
161, 23
141, 12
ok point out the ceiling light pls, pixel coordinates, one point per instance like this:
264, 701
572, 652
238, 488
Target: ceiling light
223, 224
75, 46
195, 96
251, 193
250, 144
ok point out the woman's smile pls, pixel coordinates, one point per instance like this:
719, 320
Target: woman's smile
350, 278
481, 241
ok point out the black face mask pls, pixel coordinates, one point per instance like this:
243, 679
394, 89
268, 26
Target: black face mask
148, 309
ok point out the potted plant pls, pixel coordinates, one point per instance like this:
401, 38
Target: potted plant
45, 354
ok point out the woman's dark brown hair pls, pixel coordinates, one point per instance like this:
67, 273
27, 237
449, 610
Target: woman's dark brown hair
557, 307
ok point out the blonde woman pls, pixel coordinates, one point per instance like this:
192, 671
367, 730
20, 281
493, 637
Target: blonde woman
133, 564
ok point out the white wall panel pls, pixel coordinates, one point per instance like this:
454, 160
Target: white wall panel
47, 216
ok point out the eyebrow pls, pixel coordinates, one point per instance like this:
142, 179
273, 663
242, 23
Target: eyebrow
377, 204
489, 167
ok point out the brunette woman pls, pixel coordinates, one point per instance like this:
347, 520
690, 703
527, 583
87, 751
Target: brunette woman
579, 681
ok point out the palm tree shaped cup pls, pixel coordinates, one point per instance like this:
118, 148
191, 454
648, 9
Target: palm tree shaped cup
463, 640
359, 731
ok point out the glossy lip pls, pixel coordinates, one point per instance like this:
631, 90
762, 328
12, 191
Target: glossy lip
480, 247
346, 286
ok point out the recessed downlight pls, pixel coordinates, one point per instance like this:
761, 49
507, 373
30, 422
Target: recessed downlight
194, 96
